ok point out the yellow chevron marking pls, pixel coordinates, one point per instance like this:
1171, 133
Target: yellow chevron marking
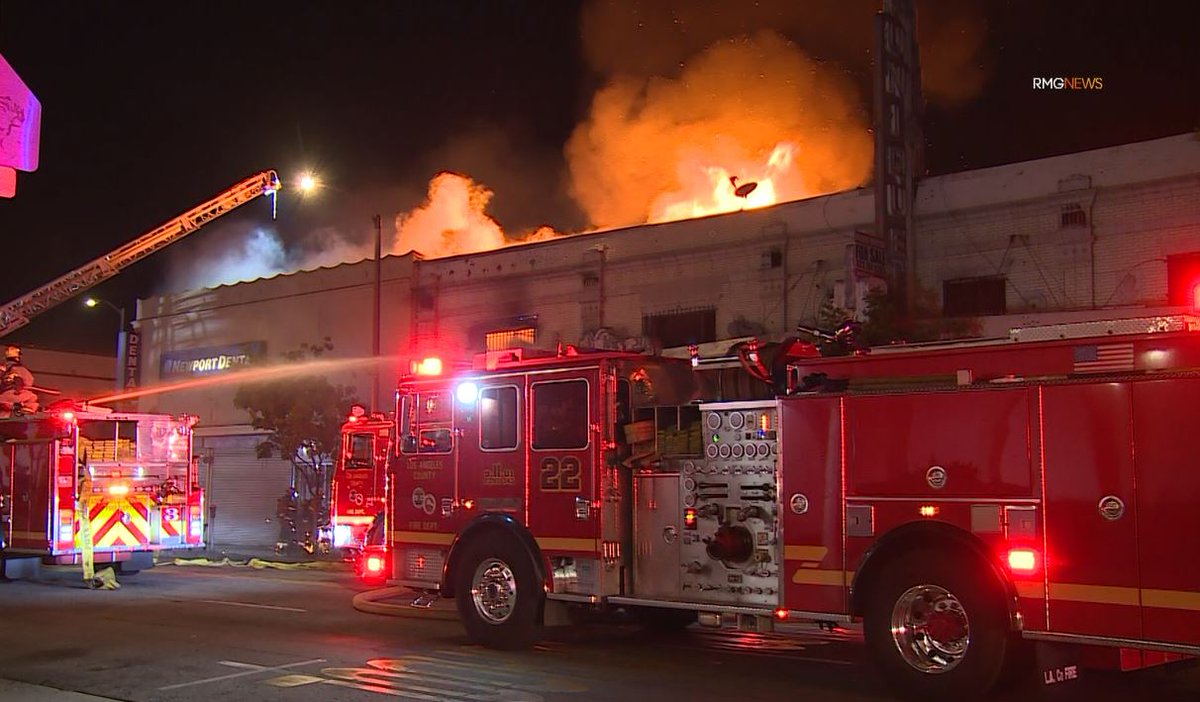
814, 554
121, 532
814, 576
563, 543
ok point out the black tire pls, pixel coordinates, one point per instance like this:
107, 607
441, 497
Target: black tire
954, 594
664, 619
499, 598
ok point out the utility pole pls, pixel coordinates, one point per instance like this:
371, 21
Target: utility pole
377, 312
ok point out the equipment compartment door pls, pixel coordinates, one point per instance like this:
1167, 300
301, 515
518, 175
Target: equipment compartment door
491, 461
1165, 414
563, 413
1091, 511
30, 507
814, 576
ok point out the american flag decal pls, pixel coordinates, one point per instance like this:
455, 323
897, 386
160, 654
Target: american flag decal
1103, 358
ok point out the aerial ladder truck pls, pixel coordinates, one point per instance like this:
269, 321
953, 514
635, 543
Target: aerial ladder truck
131, 476
17, 313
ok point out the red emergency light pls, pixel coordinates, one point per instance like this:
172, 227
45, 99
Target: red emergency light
1196, 298
374, 564
427, 366
1023, 561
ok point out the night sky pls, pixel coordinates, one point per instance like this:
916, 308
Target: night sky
150, 108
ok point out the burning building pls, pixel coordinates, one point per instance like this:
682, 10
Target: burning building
1071, 236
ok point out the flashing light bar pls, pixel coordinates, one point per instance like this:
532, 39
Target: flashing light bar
428, 366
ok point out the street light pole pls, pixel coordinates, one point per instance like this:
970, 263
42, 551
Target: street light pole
375, 323
122, 338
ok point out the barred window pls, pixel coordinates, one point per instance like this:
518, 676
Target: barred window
509, 338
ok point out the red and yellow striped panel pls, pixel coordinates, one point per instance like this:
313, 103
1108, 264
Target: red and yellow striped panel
172, 521
120, 521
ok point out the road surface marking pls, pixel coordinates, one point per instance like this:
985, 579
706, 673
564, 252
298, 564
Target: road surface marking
294, 680
252, 670
256, 606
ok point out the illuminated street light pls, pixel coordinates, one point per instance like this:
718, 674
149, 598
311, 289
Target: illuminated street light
93, 301
122, 337
308, 183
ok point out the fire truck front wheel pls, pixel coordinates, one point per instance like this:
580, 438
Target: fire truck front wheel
937, 626
498, 597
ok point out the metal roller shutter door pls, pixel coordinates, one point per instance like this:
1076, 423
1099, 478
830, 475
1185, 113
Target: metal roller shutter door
244, 492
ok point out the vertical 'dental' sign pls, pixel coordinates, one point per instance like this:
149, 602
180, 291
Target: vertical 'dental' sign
133, 359
20, 129
898, 141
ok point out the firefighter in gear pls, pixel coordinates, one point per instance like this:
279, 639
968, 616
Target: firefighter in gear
15, 396
12, 357
106, 579
83, 537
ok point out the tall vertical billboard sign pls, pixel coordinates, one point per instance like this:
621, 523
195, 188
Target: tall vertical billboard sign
898, 140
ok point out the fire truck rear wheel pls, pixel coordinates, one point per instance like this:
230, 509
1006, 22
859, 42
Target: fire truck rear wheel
937, 626
498, 596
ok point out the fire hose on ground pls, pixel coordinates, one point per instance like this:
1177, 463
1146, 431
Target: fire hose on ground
417, 605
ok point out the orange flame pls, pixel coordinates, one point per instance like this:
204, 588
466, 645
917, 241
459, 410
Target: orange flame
454, 220
711, 189
754, 107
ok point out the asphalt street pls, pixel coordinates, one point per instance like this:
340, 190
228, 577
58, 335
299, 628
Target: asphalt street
193, 633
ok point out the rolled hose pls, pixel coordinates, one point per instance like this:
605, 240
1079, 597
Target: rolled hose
370, 602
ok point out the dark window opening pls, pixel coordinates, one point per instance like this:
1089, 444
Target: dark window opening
772, 258
681, 328
424, 423
360, 451
560, 415
498, 418
967, 297
1073, 216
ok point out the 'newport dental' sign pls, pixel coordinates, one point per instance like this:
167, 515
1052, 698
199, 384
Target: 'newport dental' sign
213, 360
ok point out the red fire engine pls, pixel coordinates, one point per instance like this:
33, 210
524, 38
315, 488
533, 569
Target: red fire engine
958, 499
360, 480
133, 473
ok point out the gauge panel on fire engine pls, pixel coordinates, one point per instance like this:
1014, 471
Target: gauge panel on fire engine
730, 548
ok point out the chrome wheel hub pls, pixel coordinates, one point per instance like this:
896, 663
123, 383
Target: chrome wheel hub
494, 591
930, 628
